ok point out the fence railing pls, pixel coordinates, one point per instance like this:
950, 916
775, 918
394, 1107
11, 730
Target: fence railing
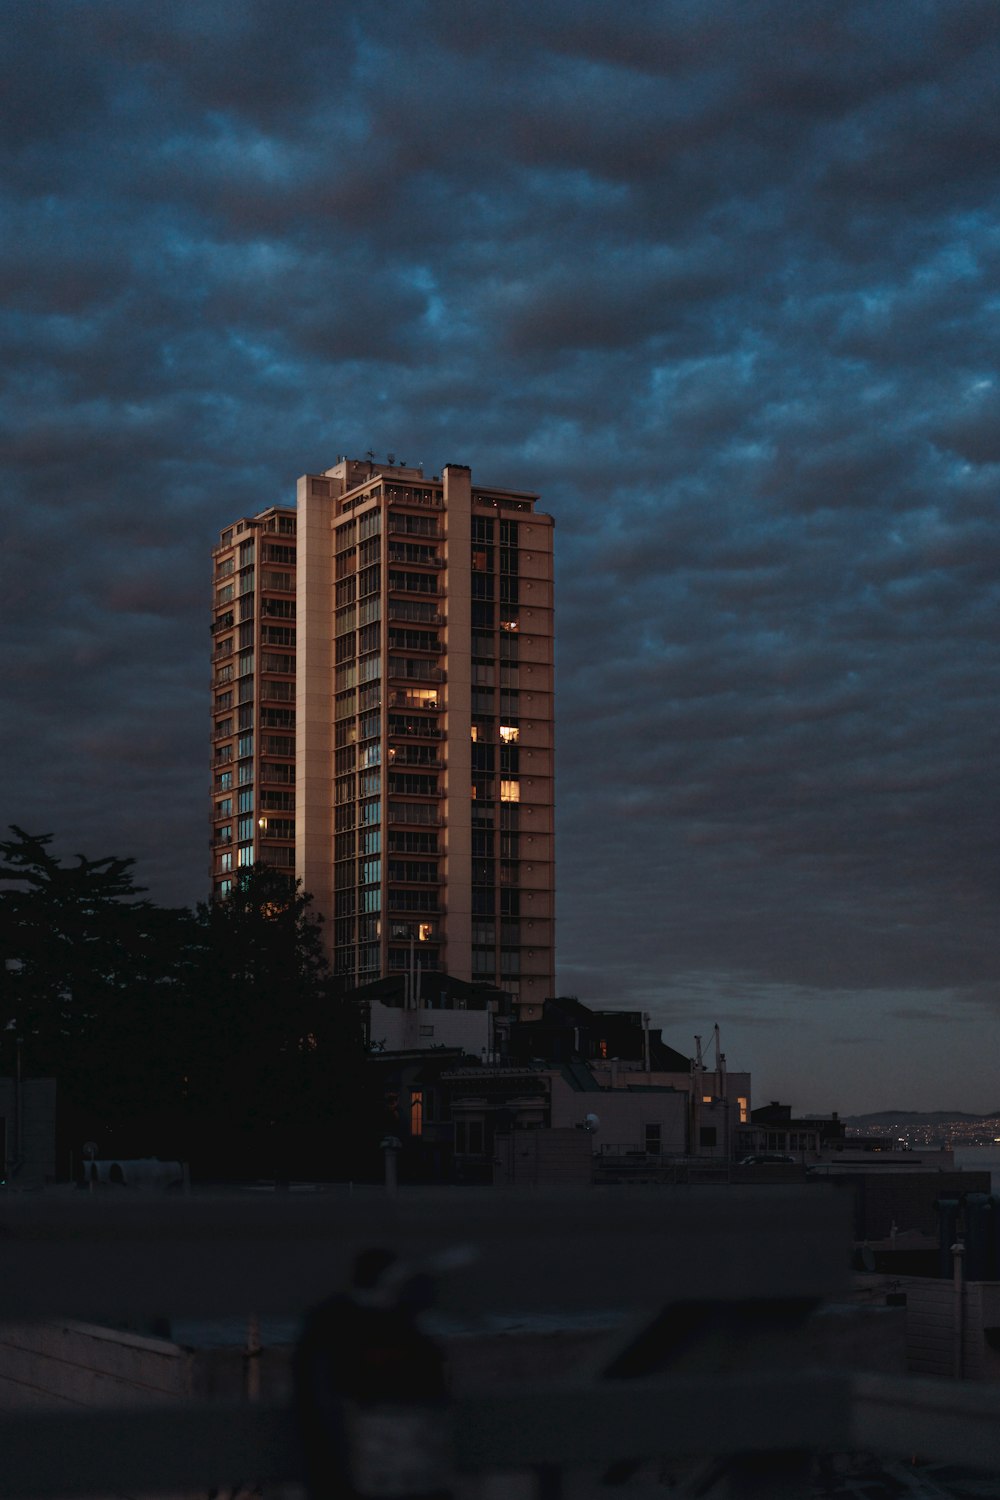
710, 1291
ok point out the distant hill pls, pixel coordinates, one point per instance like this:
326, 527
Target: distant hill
916, 1117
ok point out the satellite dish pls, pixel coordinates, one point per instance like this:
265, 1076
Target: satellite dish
592, 1124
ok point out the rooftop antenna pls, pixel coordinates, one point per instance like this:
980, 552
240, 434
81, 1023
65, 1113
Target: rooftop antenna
390, 459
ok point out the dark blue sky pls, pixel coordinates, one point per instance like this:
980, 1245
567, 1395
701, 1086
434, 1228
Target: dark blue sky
718, 280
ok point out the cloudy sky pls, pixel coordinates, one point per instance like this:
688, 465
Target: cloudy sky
720, 281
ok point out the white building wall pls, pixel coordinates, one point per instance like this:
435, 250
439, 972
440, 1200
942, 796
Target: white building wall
396, 1029
623, 1115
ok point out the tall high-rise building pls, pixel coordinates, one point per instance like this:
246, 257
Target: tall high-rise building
423, 725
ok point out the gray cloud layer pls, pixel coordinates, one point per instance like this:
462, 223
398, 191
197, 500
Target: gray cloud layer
719, 282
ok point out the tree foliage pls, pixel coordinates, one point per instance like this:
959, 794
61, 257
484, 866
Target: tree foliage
217, 1034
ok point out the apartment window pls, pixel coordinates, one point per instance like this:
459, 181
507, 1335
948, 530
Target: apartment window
653, 1141
244, 801
743, 1105
224, 781
510, 791
509, 733
245, 856
416, 1112
225, 862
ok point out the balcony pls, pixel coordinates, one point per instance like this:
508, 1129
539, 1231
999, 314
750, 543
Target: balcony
430, 644
432, 703
400, 554
416, 729
419, 815
419, 670
406, 757
402, 609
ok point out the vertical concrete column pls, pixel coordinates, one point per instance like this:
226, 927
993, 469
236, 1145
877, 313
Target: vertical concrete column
457, 840
314, 695
383, 553
537, 685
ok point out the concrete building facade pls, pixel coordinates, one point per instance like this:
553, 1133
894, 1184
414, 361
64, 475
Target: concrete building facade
253, 697
418, 648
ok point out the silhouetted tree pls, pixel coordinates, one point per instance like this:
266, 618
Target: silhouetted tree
91, 979
274, 1052
218, 1035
